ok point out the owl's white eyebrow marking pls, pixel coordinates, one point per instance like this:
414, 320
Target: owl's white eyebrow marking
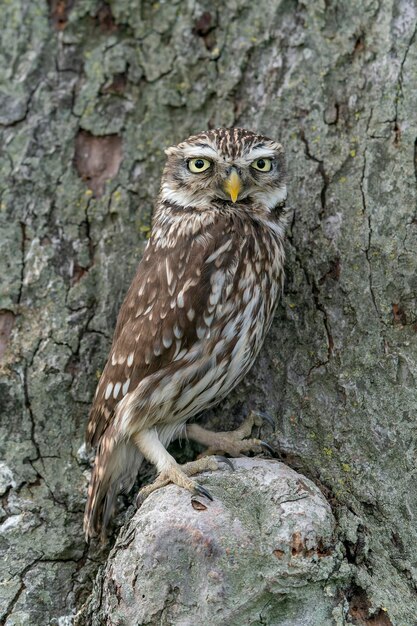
198, 151
257, 153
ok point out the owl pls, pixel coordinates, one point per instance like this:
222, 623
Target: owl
194, 317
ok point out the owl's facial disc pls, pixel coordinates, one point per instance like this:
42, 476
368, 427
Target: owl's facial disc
229, 166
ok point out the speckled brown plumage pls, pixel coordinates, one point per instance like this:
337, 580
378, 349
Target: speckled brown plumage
197, 311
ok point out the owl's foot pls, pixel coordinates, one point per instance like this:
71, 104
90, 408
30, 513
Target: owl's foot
234, 442
180, 475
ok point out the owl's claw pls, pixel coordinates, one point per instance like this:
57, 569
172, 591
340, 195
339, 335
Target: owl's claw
235, 442
265, 446
224, 459
180, 475
202, 491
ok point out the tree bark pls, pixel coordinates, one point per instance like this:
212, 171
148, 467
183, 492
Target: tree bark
90, 94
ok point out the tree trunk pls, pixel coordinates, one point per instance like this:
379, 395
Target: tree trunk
90, 94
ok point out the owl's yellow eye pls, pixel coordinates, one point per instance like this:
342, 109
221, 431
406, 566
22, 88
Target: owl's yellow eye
262, 165
198, 165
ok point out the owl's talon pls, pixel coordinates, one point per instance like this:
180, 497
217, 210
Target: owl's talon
235, 443
180, 475
202, 491
224, 459
267, 448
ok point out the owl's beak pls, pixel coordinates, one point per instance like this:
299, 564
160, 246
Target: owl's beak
233, 185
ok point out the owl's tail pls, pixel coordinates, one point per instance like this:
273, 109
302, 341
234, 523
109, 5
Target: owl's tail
115, 469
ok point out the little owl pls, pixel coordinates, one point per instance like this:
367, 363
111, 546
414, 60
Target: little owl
195, 315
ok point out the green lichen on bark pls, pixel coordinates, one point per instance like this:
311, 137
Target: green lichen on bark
335, 82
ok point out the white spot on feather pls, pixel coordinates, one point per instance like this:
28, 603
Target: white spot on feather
130, 359
170, 275
167, 341
247, 295
217, 282
197, 388
178, 332
125, 387
109, 389
116, 390
208, 319
219, 251
202, 332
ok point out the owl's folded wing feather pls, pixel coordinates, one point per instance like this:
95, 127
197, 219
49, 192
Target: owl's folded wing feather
165, 312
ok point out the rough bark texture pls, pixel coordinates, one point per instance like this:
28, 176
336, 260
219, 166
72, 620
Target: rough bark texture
90, 94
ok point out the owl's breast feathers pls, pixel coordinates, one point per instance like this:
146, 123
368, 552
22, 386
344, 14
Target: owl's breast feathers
192, 321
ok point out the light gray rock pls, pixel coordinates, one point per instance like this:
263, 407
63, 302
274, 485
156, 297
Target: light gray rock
263, 552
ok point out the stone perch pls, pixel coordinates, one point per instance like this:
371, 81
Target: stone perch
263, 552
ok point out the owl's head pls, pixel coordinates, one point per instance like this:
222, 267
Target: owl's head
225, 166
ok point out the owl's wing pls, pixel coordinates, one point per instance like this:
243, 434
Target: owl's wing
166, 311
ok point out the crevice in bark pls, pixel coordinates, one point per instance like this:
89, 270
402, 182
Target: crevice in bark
399, 87
321, 170
15, 121
29, 408
315, 290
369, 242
14, 600
22, 261
91, 244
330, 341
